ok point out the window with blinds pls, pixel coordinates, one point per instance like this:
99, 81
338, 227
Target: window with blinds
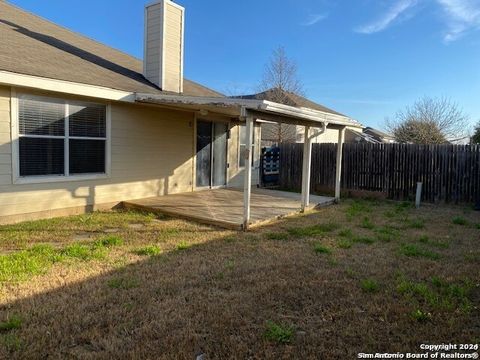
61, 138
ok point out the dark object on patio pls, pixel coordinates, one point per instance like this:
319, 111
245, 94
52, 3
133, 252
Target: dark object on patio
270, 166
477, 205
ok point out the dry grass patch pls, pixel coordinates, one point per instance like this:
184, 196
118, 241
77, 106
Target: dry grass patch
127, 290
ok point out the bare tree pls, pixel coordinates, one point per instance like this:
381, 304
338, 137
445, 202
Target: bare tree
475, 139
430, 121
279, 79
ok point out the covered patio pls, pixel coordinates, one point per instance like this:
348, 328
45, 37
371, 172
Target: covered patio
249, 111
224, 207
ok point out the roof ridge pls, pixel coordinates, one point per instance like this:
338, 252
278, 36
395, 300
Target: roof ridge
51, 22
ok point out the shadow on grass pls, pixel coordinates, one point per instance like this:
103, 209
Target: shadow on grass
214, 298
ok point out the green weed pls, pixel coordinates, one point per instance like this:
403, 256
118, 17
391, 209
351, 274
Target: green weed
277, 236
12, 323
416, 224
321, 249
424, 239
345, 244
387, 233
403, 206
369, 285
389, 214
230, 265
438, 294
346, 233
170, 233
459, 220
472, 256
11, 342
357, 208
26, 263
367, 223
351, 272
421, 316
363, 240
412, 250
151, 250
183, 245
315, 230
84, 252
282, 334
123, 283
109, 241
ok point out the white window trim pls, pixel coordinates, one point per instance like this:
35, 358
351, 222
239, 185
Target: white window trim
19, 180
240, 154
254, 148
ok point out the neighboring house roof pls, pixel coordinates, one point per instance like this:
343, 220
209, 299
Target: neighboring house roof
363, 137
377, 133
288, 98
31, 45
292, 99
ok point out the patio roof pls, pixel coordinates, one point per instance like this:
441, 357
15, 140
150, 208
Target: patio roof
252, 110
241, 108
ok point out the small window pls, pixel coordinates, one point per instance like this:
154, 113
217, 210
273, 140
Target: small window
243, 145
60, 138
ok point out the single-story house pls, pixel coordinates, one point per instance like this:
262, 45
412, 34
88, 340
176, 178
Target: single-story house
84, 126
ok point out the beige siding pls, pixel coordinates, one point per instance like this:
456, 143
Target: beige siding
5, 146
151, 155
153, 43
330, 136
173, 48
164, 46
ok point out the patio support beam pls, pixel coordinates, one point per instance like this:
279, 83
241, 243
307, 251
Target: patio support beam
306, 170
248, 156
338, 173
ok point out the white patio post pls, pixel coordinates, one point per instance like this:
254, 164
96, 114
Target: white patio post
306, 170
338, 174
247, 189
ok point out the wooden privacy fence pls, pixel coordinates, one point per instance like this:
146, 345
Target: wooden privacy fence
449, 173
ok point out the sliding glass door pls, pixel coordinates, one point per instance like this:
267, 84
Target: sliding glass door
211, 154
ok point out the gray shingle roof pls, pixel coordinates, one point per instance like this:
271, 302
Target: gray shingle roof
34, 46
289, 98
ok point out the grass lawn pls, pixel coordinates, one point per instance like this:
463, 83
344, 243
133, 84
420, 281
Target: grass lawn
357, 277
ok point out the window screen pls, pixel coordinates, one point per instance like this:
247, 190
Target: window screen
44, 139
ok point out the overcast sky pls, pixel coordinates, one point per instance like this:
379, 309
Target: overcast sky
364, 58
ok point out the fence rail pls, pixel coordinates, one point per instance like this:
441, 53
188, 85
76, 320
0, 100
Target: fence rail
449, 173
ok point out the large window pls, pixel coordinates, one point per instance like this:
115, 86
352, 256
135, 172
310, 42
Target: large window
61, 138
